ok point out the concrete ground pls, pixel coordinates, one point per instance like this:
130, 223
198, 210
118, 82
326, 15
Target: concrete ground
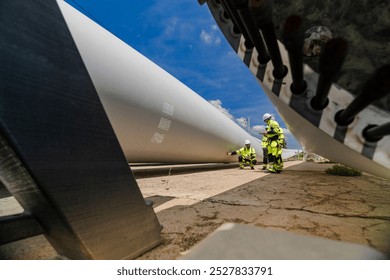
303, 199
191, 203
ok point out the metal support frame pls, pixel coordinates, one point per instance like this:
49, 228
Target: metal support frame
293, 36
254, 33
262, 13
68, 170
331, 60
375, 133
228, 8
376, 87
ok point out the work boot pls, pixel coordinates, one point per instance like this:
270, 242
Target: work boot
252, 168
278, 170
271, 169
278, 167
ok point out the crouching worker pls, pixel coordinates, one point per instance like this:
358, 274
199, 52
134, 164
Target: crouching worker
246, 155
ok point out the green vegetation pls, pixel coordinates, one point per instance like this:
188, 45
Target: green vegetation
341, 170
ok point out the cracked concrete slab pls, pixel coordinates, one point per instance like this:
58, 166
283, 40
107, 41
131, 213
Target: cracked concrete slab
303, 200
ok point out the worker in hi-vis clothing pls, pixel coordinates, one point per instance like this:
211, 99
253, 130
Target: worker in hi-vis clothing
275, 144
264, 146
246, 155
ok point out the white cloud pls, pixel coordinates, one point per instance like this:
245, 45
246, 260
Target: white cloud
218, 104
257, 129
210, 38
206, 37
170, 26
242, 122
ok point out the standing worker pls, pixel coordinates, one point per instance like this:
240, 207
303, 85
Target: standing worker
246, 155
275, 142
264, 146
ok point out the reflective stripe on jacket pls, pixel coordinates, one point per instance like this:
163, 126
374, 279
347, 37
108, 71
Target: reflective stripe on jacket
264, 142
247, 152
274, 131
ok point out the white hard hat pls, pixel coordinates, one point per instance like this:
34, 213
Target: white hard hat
266, 116
247, 142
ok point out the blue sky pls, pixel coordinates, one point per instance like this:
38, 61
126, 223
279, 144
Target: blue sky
182, 37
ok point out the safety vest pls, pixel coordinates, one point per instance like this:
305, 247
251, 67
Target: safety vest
264, 142
245, 152
274, 131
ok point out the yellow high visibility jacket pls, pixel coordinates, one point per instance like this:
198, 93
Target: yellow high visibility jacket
274, 131
247, 152
264, 142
